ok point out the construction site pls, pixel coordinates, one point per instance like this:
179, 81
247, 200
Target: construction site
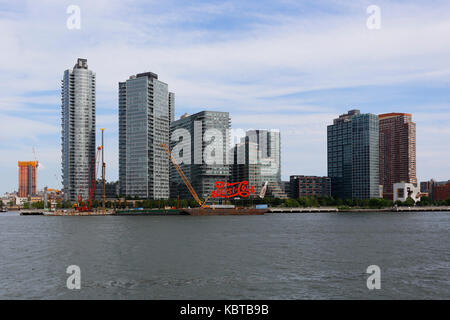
83, 207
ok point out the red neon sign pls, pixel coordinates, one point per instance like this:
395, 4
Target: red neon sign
230, 190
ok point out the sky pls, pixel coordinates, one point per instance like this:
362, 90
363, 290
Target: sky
287, 65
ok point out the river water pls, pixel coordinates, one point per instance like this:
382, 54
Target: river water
276, 256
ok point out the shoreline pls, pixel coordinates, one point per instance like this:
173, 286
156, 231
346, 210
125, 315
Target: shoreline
270, 211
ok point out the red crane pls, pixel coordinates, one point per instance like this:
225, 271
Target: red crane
81, 206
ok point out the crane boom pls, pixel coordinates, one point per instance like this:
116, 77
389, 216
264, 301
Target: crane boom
182, 175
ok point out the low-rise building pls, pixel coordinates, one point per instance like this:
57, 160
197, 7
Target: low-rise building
404, 190
441, 191
437, 190
310, 186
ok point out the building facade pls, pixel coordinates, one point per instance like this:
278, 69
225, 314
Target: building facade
353, 156
78, 130
202, 157
309, 186
246, 165
441, 191
144, 120
268, 143
111, 190
403, 190
27, 178
397, 151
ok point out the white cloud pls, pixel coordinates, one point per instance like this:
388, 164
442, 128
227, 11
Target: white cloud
243, 70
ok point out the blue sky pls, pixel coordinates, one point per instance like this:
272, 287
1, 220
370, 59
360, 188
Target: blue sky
288, 65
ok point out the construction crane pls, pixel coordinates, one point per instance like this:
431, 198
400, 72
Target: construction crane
35, 158
81, 206
103, 171
184, 178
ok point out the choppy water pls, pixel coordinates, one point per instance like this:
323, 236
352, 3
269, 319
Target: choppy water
276, 256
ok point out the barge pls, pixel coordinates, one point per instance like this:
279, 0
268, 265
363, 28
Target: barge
224, 211
149, 212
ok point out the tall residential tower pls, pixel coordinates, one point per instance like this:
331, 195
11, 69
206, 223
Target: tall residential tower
397, 151
145, 111
353, 150
202, 141
27, 178
78, 130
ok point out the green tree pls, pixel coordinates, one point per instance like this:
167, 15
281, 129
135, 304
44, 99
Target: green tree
292, 203
425, 201
1, 204
375, 203
67, 204
409, 202
447, 201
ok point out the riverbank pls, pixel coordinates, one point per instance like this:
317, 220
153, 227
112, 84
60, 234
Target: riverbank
163, 212
333, 209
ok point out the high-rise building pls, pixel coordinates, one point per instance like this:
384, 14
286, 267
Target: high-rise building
171, 107
202, 141
397, 151
144, 118
257, 159
27, 178
78, 130
268, 144
353, 156
310, 186
247, 164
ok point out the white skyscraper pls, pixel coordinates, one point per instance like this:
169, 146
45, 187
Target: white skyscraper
78, 130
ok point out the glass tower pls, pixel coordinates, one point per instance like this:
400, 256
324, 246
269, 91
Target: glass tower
353, 149
78, 130
144, 117
201, 174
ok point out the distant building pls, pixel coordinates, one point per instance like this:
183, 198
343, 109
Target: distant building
27, 178
441, 191
78, 130
402, 191
246, 164
171, 107
397, 151
111, 190
145, 111
192, 143
286, 186
310, 186
353, 156
427, 187
268, 144
437, 190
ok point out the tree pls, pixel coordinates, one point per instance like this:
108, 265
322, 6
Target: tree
425, 201
1, 204
447, 201
409, 202
375, 203
292, 203
67, 204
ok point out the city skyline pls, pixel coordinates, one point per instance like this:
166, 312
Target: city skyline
299, 95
